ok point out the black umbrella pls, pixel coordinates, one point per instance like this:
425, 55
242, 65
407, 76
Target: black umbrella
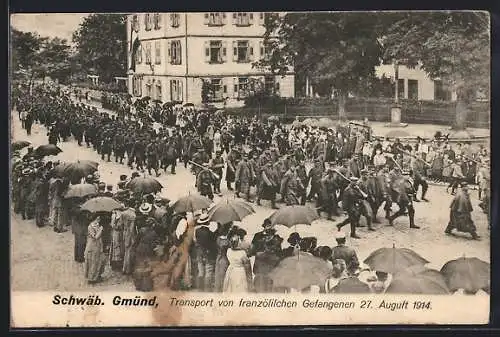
188, 104
21, 144
47, 150
79, 169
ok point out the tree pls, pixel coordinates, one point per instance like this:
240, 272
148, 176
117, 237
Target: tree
101, 41
25, 53
57, 61
338, 51
451, 46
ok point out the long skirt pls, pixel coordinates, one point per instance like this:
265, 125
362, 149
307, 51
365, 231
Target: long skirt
80, 244
235, 280
94, 265
462, 221
221, 265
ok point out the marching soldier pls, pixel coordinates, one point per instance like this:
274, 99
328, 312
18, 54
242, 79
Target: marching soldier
328, 201
268, 185
217, 165
291, 187
232, 161
351, 204
243, 178
204, 182
152, 157
314, 177
418, 172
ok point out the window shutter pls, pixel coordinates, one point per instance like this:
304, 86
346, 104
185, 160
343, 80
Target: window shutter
235, 18
224, 51
224, 18
235, 87
250, 50
159, 20
250, 19
169, 51
261, 49
207, 51
171, 19
206, 19
181, 86
261, 18
179, 51
235, 51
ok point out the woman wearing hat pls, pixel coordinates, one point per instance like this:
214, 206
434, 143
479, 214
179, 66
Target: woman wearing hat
205, 251
94, 256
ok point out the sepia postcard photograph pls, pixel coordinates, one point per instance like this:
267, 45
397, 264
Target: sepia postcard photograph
249, 168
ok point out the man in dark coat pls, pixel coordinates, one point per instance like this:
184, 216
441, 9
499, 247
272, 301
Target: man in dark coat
351, 204
348, 254
268, 185
460, 213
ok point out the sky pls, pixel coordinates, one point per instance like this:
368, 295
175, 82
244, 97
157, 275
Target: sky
48, 25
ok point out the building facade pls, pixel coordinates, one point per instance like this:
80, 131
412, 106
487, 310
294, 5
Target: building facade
416, 84
172, 54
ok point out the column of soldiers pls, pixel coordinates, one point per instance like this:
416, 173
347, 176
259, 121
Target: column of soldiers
263, 160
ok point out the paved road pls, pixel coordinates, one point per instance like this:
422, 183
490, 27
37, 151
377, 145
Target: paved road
43, 260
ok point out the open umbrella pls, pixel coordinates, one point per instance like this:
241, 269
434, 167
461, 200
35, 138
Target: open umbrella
47, 150
417, 284
144, 185
188, 104
80, 191
392, 260
351, 285
294, 215
300, 273
296, 124
468, 273
21, 144
227, 211
80, 169
101, 204
418, 279
59, 170
191, 203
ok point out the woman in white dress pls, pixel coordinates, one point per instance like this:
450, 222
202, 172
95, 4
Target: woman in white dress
238, 277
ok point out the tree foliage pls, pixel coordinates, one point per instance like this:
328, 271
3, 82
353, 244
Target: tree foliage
101, 41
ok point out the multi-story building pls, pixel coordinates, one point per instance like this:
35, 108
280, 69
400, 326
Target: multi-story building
174, 53
414, 83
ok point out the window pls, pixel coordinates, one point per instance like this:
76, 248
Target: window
175, 52
175, 90
242, 19
175, 20
217, 90
401, 88
269, 85
148, 53
135, 23
157, 21
242, 52
157, 52
265, 53
147, 21
262, 18
158, 91
413, 89
215, 19
149, 88
138, 55
441, 91
136, 86
215, 52
241, 87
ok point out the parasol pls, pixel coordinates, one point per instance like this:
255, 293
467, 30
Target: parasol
351, 285
47, 150
101, 204
191, 203
228, 211
79, 169
393, 260
144, 185
80, 191
21, 144
468, 273
300, 273
294, 215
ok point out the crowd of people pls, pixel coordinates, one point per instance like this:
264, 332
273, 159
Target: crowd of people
258, 161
